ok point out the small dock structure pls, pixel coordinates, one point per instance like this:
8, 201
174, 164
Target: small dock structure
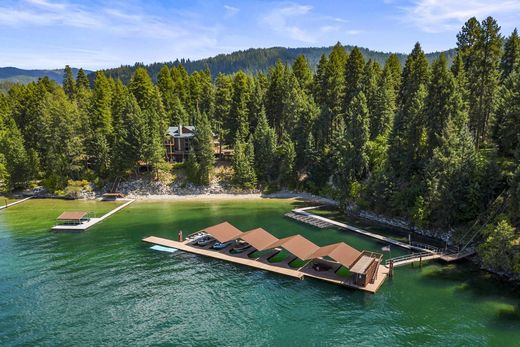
255, 248
80, 221
14, 203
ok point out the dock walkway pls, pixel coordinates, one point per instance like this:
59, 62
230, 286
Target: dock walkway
262, 264
303, 212
92, 221
14, 203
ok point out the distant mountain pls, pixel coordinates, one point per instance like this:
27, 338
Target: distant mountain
256, 60
13, 74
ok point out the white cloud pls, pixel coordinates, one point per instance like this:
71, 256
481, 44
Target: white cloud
447, 15
231, 11
300, 23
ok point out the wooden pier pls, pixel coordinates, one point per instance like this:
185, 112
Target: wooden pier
14, 203
309, 220
262, 263
309, 216
92, 221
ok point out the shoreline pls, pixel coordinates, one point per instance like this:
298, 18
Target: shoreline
233, 196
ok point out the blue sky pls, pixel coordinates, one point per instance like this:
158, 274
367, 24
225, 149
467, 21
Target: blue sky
97, 34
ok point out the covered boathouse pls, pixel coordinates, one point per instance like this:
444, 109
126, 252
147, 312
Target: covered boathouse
73, 218
365, 270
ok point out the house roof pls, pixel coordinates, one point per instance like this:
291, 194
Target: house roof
297, 245
340, 252
72, 215
259, 238
223, 232
187, 131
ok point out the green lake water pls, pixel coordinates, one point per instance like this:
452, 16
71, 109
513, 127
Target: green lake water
106, 287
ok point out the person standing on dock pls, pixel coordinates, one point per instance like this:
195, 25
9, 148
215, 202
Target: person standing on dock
180, 236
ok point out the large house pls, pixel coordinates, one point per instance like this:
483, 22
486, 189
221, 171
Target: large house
179, 140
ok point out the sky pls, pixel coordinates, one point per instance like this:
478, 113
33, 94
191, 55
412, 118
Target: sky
101, 34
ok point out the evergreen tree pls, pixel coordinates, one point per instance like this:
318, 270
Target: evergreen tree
264, 141
405, 141
166, 87
69, 85
286, 157
353, 77
358, 134
238, 124
508, 114
223, 95
303, 73
82, 81
243, 161
201, 159
511, 56
480, 47
394, 69
442, 102
383, 106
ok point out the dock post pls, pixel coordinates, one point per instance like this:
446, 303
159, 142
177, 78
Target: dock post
420, 261
180, 236
391, 268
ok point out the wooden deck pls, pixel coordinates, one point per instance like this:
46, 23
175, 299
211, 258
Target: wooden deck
14, 203
92, 221
262, 263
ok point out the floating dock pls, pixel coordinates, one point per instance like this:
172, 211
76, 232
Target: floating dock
262, 263
92, 221
309, 216
14, 203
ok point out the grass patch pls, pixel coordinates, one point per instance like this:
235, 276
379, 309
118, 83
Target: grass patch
343, 272
282, 255
297, 263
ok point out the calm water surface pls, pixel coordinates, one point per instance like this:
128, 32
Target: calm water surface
106, 287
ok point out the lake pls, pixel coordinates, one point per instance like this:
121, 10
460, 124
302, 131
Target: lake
106, 287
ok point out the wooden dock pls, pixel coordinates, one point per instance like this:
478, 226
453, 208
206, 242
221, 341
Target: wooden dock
92, 221
308, 220
262, 263
14, 203
384, 239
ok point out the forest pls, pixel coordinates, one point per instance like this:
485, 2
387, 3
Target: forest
435, 143
256, 60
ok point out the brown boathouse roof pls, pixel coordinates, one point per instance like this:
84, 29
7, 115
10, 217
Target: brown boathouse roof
259, 238
297, 245
340, 252
223, 232
72, 215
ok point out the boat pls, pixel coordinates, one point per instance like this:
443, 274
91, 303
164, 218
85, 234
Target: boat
205, 240
241, 246
221, 245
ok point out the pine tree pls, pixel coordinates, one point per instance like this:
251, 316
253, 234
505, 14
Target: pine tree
129, 135
405, 141
442, 102
353, 77
480, 48
358, 134
69, 86
201, 159
243, 160
394, 69
508, 114
286, 157
82, 81
238, 124
166, 87
511, 56
303, 73
384, 106
223, 95
264, 141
